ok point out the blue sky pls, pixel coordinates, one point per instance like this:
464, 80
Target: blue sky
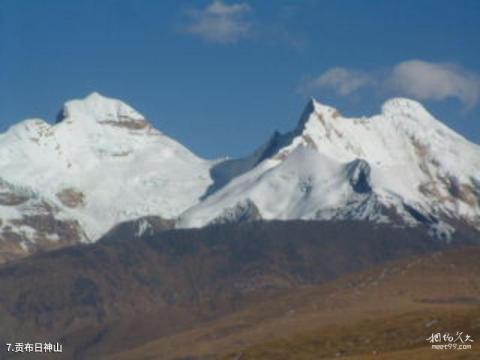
220, 77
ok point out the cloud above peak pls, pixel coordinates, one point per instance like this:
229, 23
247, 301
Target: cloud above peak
418, 79
220, 22
435, 81
343, 81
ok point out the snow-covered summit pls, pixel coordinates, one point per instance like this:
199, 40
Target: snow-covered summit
96, 107
100, 164
403, 106
401, 165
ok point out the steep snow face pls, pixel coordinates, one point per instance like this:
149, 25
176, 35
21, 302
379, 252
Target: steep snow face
101, 163
400, 166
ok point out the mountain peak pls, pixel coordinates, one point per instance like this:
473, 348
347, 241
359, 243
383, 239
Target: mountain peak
398, 115
394, 106
101, 109
100, 164
320, 110
402, 166
404, 106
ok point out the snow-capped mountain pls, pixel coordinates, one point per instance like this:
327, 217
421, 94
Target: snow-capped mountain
402, 166
101, 163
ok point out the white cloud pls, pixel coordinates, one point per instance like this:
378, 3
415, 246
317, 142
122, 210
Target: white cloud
435, 81
220, 22
343, 81
413, 78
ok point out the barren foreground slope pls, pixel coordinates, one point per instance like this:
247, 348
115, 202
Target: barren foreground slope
384, 313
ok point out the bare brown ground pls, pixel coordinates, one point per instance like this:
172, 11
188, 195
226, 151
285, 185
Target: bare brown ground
384, 313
